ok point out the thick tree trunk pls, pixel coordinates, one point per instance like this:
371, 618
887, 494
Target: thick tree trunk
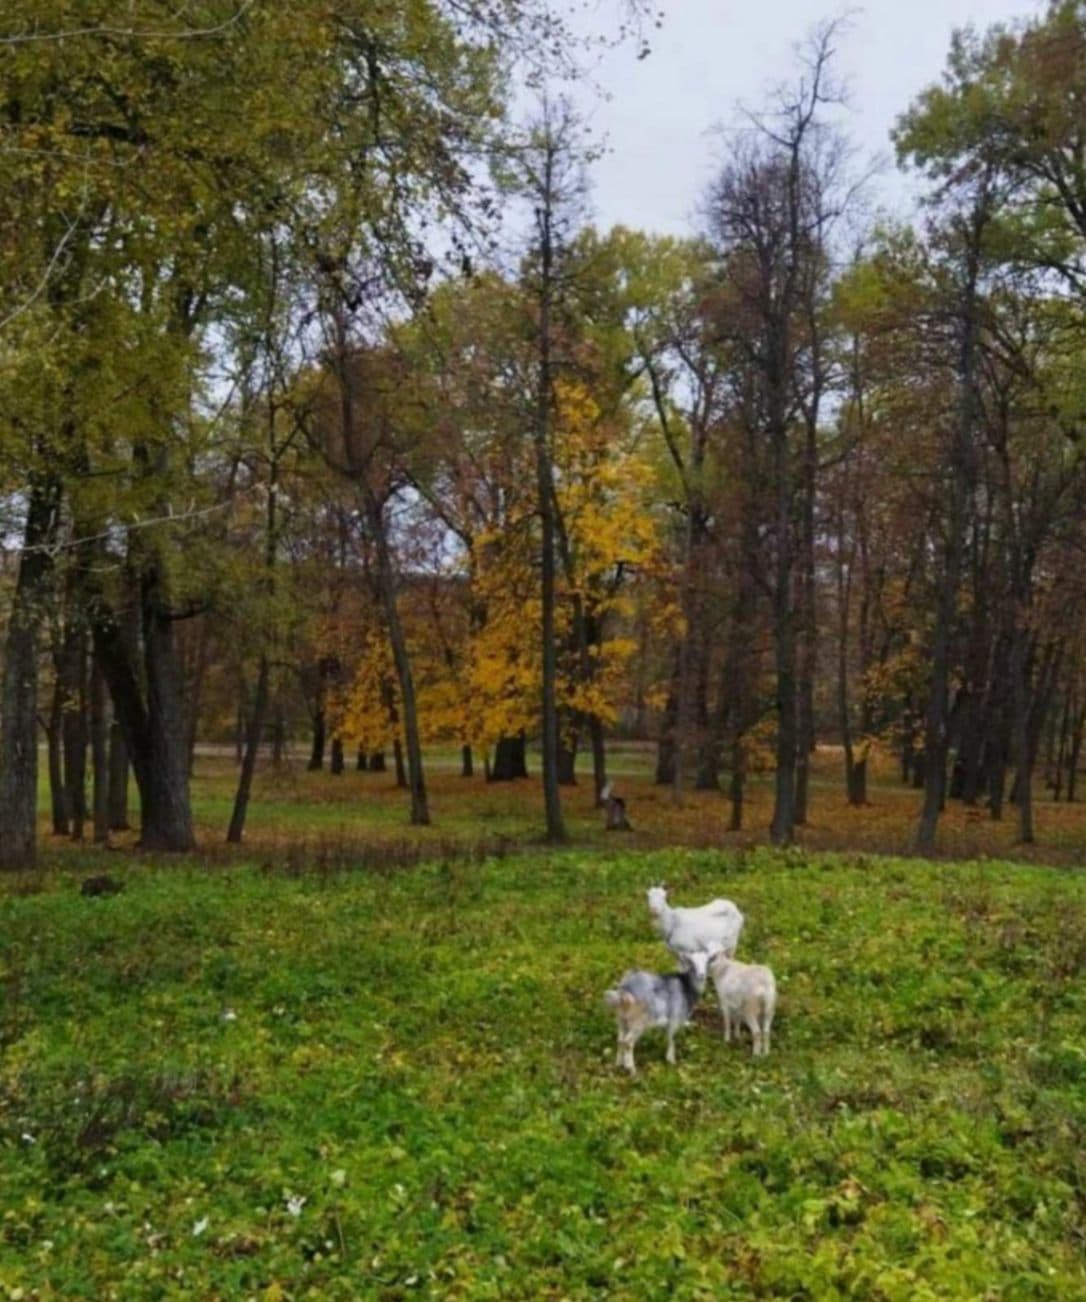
467, 766
337, 755
19, 685
397, 757
99, 734
510, 759
377, 762
118, 779
152, 717
252, 749
362, 762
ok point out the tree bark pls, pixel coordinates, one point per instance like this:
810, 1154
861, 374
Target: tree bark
337, 755
936, 730
58, 796
118, 779
510, 759
74, 660
19, 685
316, 752
467, 766
150, 712
99, 733
252, 749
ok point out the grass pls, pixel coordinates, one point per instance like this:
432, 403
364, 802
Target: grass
423, 1057
293, 812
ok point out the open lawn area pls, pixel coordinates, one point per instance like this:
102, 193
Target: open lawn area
282, 1083
340, 819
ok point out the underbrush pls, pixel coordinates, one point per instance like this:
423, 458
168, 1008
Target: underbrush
326, 1083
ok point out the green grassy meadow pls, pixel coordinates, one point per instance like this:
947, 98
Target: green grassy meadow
232, 1082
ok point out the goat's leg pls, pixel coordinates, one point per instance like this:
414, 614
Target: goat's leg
727, 1023
767, 1026
671, 1044
629, 1040
751, 1019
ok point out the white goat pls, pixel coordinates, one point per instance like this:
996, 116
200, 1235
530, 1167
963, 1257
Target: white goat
712, 929
748, 993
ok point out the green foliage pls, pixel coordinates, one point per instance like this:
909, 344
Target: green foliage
424, 1058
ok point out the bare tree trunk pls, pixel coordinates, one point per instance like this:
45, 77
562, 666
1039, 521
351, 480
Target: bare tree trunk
118, 779
936, 731
19, 685
397, 756
337, 764
1024, 777
1078, 727
782, 828
74, 659
252, 749
362, 762
58, 796
316, 752
510, 759
99, 734
467, 766
151, 716
377, 762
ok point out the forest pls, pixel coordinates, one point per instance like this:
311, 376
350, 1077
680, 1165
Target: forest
330, 425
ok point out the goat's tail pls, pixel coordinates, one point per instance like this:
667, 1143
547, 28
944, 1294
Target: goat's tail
620, 999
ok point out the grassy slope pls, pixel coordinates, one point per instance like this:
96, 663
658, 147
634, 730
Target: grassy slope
425, 1058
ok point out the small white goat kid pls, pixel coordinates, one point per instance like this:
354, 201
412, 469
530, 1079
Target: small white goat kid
712, 929
747, 993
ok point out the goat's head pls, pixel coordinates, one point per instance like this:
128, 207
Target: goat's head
696, 964
657, 898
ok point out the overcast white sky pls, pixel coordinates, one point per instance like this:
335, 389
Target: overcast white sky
711, 55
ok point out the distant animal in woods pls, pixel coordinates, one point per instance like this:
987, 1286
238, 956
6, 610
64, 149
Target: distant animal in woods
614, 810
643, 1000
711, 929
101, 885
748, 996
